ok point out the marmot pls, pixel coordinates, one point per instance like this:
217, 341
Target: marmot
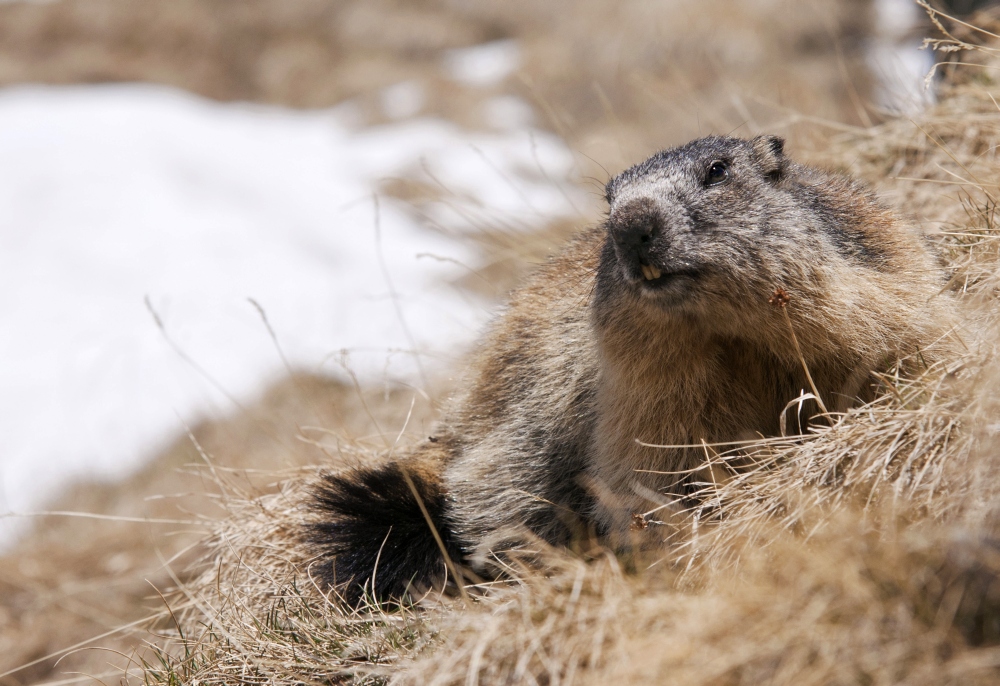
659, 326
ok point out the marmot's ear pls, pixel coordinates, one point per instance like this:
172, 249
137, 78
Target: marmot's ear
770, 155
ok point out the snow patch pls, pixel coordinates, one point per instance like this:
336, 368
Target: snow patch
483, 65
124, 205
402, 100
896, 58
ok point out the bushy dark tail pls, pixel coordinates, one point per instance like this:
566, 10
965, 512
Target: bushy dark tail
374, 538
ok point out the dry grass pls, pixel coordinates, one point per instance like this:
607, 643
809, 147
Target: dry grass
855, 556
73, 580
864, 553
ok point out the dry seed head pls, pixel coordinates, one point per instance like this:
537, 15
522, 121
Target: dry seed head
780, 298
638, 522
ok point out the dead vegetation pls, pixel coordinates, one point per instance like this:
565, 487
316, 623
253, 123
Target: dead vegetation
865, 553
78, 593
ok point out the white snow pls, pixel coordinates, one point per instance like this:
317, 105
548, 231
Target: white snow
897, 60
112, 196
404, 99
896, 19
508, 112
483, 65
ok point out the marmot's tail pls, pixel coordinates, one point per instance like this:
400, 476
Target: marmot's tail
374, 537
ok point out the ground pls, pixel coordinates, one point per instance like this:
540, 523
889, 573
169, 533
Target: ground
616, 82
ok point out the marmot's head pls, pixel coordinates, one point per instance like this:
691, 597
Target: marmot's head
704, 233
687, 223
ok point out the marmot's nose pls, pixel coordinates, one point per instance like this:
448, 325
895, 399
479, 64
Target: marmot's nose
635, 227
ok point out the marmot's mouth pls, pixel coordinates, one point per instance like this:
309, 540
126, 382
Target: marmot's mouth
650, 272
654, 277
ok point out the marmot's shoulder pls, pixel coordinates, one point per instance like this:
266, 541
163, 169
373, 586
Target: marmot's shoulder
540, 345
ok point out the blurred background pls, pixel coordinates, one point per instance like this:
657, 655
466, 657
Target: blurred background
238, 233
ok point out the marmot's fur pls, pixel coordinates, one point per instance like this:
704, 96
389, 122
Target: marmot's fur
663, 326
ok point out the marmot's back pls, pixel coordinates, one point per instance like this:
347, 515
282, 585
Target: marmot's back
722, 271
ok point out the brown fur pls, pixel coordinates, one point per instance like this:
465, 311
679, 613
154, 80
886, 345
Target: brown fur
590, 359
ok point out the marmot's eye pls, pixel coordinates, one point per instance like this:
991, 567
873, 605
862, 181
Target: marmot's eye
718, 172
